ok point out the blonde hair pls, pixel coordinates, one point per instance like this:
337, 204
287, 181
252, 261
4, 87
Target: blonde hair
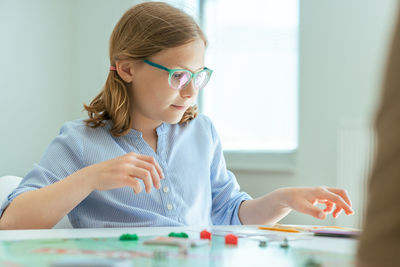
143, 31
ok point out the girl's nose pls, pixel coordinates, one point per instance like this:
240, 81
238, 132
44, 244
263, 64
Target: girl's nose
188, 91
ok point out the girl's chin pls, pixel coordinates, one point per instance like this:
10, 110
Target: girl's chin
173, 119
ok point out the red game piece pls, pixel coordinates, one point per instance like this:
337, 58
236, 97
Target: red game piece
231, 239
205, 235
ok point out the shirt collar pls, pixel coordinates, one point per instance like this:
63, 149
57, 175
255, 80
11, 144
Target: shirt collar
161, 130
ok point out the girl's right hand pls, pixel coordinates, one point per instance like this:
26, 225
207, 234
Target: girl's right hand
123, 171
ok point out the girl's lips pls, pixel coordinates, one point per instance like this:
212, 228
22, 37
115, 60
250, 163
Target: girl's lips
179, 107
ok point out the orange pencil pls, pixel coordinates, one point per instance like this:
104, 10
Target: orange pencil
278, 229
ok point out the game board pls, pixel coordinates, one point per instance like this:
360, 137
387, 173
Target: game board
248, 252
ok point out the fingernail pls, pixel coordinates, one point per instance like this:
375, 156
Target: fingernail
337, 214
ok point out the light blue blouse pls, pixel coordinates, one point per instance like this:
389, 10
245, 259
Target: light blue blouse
197, 189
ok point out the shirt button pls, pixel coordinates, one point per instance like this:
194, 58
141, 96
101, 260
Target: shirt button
169, 206
166, 189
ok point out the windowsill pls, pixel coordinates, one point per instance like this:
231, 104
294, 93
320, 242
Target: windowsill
261, 161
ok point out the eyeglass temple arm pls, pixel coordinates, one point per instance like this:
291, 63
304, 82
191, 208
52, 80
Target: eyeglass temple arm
156, 65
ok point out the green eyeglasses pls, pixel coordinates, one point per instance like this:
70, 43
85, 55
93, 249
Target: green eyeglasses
180, 78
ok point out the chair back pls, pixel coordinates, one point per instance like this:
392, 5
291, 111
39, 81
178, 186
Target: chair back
9, 183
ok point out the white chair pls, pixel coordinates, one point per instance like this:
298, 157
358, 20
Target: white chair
9, 183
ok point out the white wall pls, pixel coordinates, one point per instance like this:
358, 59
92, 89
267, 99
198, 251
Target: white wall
94, 23
55, 58
35, 79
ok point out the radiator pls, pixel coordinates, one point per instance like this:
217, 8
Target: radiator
354, 164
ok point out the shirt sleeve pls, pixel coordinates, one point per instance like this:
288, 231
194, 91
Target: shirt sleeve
226, 195
61, 158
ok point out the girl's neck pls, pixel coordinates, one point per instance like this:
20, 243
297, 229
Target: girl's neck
148, 129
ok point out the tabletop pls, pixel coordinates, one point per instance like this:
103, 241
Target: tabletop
102, 247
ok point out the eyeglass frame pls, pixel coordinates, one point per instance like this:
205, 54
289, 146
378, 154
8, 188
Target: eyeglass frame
172, 71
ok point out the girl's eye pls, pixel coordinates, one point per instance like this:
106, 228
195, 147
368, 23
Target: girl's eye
177, 75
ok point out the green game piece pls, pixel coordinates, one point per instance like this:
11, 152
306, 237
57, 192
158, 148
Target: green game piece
263, 243
312, 263
285, 243
180, 235
129, 237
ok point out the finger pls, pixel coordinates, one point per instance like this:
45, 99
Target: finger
134, 162
143, 175
329, 207
314, 211
342, 193
154, 174
337, 212
134, 183
320, 201
152, 161
337, 199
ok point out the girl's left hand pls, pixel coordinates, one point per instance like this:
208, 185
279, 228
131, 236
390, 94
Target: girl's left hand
303, 199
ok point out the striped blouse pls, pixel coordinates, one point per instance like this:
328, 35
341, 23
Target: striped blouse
197, 189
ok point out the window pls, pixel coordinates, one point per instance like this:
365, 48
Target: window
253, 95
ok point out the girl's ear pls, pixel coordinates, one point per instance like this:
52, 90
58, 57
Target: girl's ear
125, 70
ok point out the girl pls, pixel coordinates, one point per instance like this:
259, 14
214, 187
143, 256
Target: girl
143, 131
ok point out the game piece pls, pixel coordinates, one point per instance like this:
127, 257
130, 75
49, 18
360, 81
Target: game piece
285, 243
166, 241
311, 262
128, 237
176, 241
231, 239
179, 235
205, 235
263, 243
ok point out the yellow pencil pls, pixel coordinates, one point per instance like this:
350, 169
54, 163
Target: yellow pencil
278, 229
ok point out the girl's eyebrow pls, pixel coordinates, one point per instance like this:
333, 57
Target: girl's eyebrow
186, 68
